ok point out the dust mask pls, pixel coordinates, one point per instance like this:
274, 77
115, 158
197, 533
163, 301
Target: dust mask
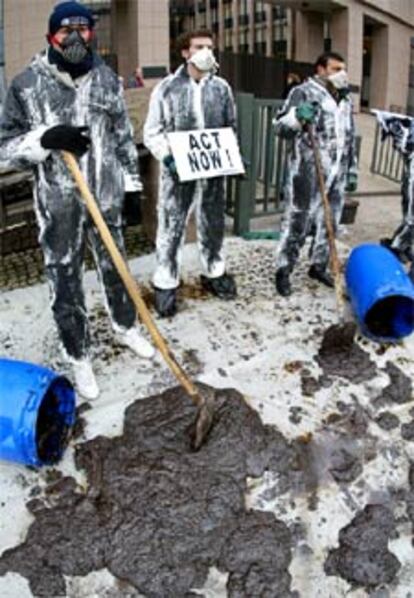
204, 60
339, 80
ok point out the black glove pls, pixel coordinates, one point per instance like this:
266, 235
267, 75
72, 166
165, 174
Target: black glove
65, 137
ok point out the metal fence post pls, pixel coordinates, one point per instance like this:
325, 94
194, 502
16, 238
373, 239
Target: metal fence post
244, 186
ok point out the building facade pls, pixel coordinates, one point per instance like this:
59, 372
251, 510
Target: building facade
2, 77
375, 37
130, 33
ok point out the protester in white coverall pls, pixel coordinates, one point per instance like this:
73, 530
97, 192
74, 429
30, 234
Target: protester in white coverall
68, 99
322, 102
401, 129
191, 98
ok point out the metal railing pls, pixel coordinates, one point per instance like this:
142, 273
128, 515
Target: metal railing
386, 160
259, 192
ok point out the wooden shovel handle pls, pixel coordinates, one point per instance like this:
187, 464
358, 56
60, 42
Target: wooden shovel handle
333, 253
128, 279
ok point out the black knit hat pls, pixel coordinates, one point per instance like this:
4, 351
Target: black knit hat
66, 13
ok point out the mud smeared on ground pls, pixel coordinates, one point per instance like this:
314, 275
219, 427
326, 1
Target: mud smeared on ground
157, 515
78, 430
338, 337
407, 431
387, 420
399, 390
340, 356
410, 497
363, 558
346, 466
309, 384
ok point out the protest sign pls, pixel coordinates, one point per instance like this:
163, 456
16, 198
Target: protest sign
205, 153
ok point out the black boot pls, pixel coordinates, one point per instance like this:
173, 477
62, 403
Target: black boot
320, 274
223, 287
166, 302
282, 282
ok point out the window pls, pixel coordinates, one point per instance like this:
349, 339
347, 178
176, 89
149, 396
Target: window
280, 48
260, 14
279, 25
260, 41
243, 27
228, 26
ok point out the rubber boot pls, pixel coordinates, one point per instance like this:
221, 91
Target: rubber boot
85, 381
136, 342
321, 275
282, 282
223, 287
166, 302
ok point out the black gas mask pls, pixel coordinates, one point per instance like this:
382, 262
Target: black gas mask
74, 49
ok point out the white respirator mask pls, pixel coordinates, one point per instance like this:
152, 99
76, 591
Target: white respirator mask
339, 80
204, 60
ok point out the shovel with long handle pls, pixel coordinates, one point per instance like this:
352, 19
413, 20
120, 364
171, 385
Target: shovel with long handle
342, 335
204, 419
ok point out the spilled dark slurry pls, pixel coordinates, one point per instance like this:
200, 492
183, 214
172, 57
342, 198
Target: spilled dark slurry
387, 421
78, 430
338, 338
410, 497
399, 390
346, 466
363, 558
407, 431
158, 515
340, 356
309, 384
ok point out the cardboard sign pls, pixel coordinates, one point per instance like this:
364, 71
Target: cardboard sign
205, 153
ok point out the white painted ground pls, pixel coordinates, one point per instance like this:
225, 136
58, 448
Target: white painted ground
245, 345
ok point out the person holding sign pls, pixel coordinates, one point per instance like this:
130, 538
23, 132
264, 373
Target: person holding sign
322, 102
192, 99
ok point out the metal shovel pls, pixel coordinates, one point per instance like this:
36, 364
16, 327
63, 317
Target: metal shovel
340, 336
205, 405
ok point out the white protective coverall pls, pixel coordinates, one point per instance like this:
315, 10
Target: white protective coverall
401, 129
39, 98
335, 133
178, 103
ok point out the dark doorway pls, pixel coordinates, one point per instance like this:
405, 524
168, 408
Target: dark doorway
366, 64
375, 59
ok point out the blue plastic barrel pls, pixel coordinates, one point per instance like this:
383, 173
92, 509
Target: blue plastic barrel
37, 411
381, 293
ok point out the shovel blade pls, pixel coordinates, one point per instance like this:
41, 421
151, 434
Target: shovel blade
203, 423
